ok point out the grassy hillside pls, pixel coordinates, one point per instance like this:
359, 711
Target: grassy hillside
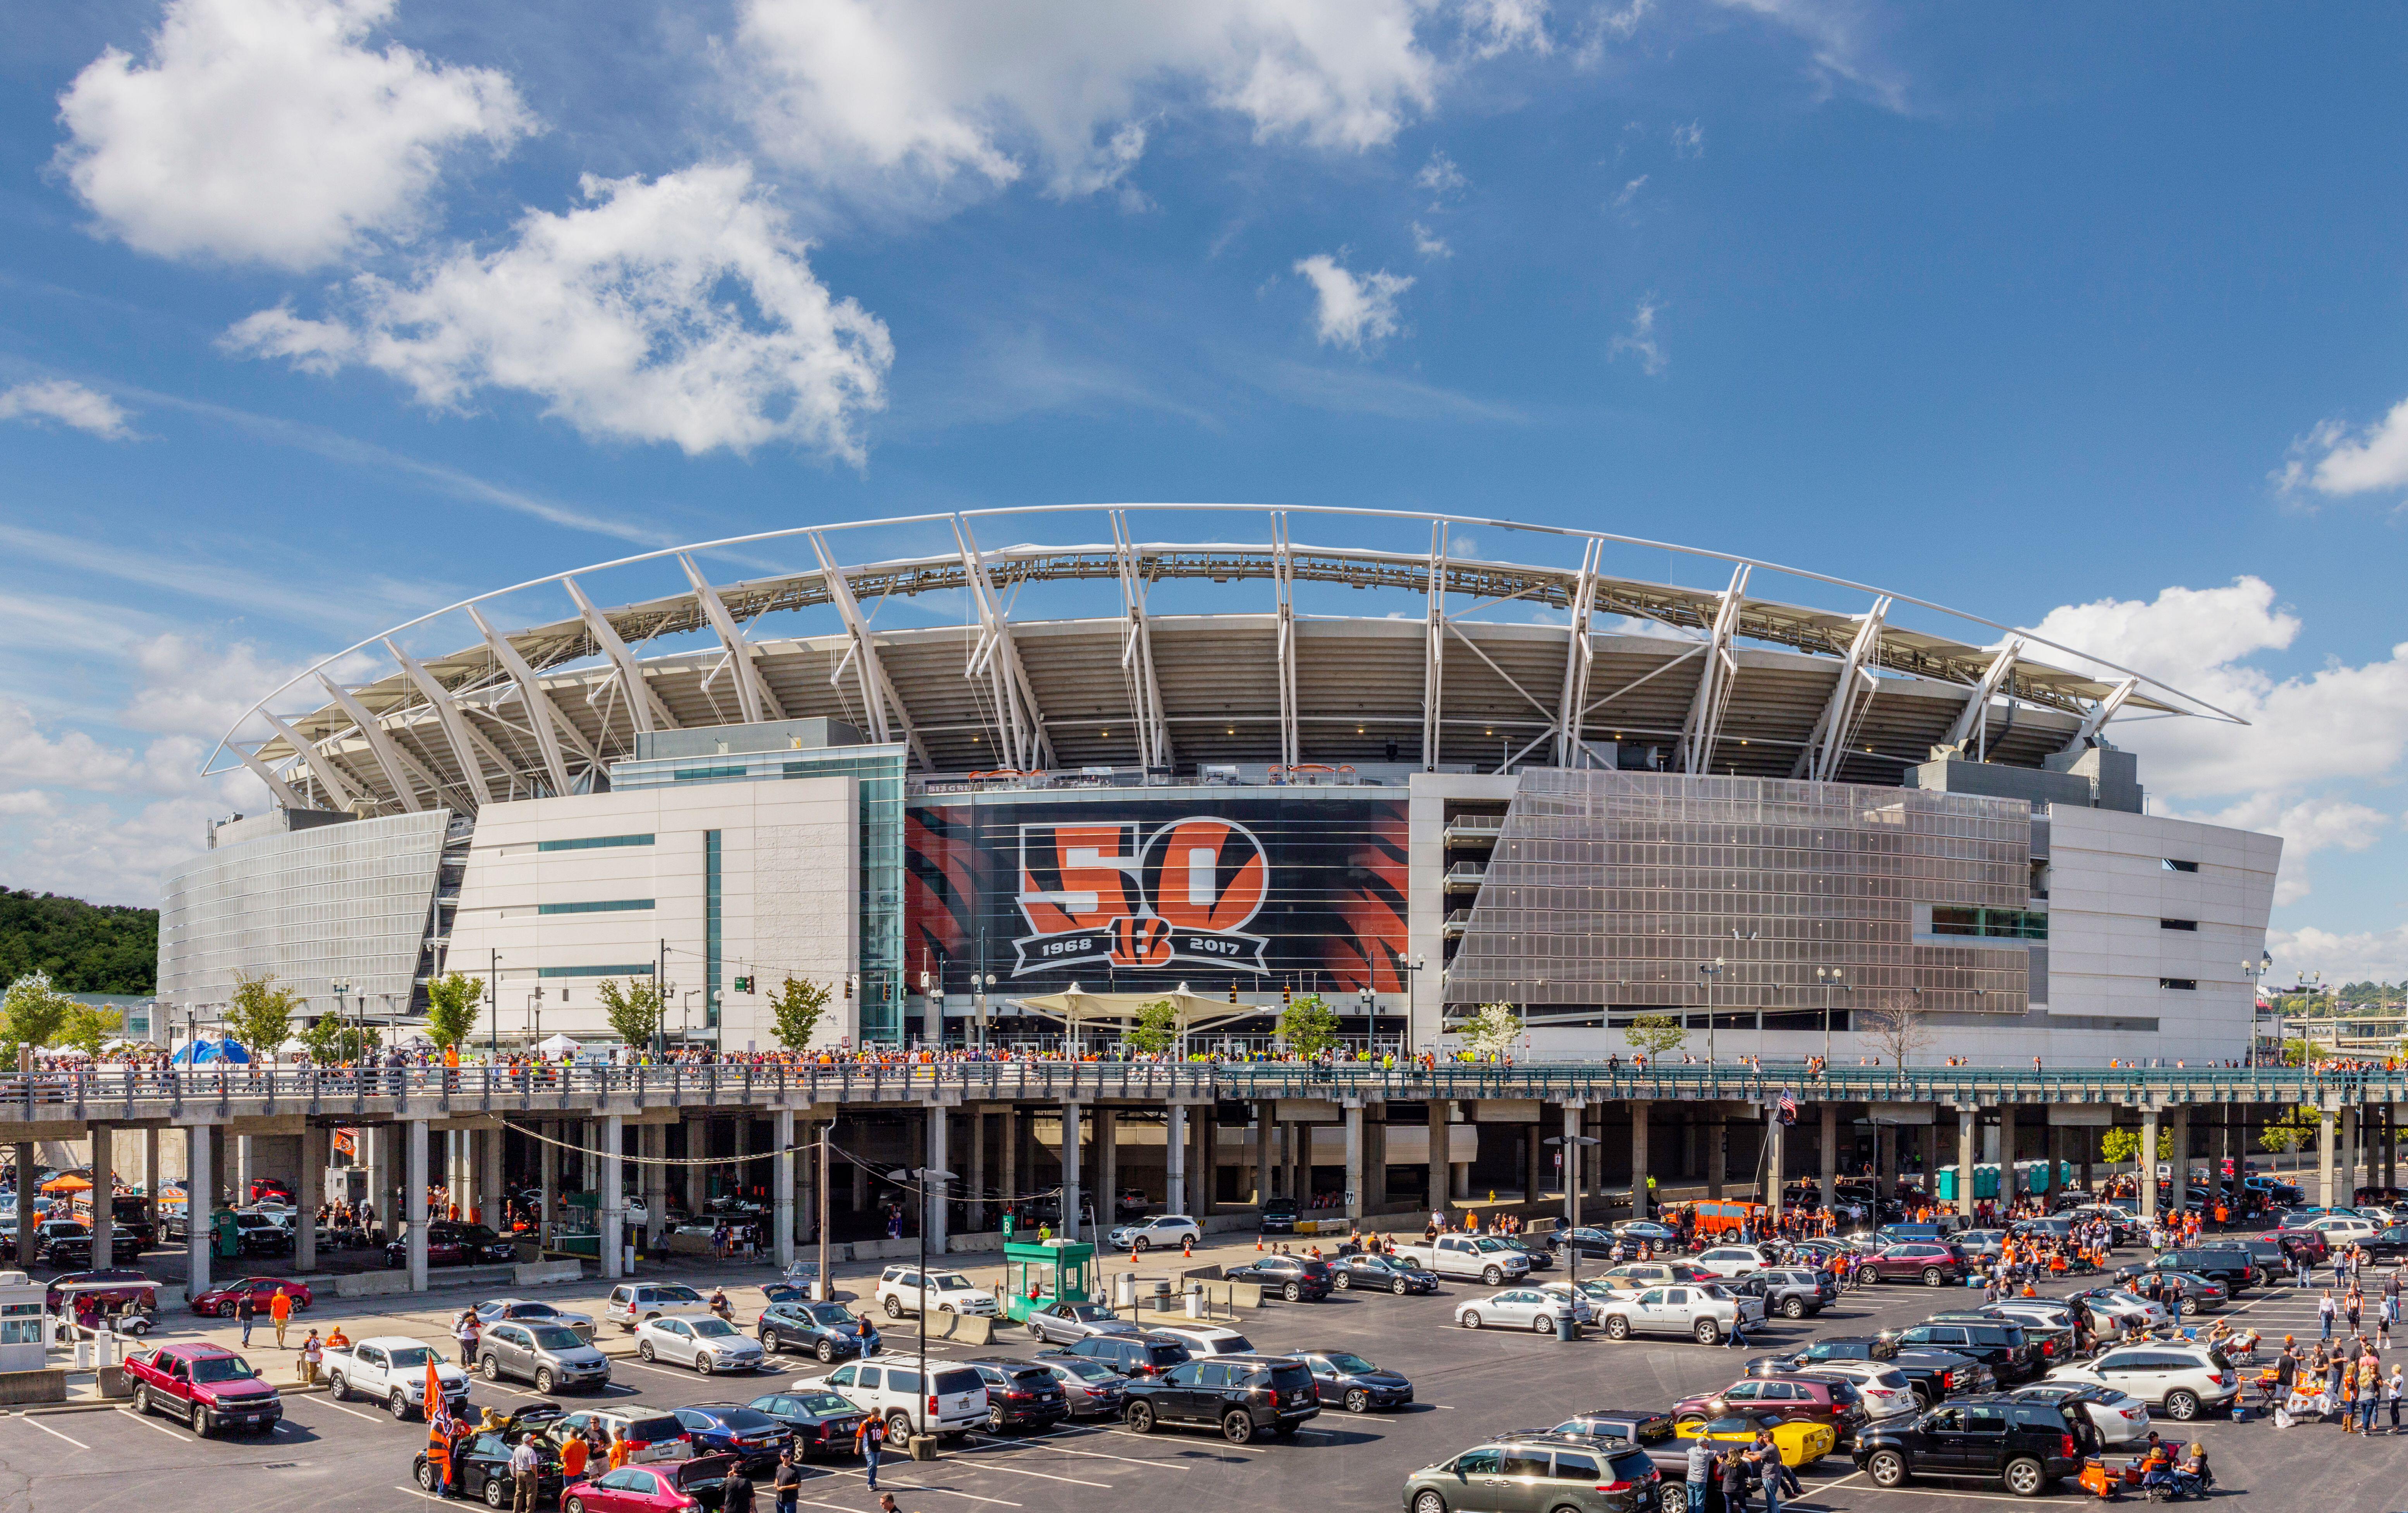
85, 947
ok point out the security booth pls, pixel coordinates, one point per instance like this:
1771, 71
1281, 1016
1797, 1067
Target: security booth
1047, 1271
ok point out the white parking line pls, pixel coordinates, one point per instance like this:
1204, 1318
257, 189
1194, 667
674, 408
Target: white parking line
144, 1419
55, 1434
1048, 1476
941, 1491
340, 1409
1094, 1455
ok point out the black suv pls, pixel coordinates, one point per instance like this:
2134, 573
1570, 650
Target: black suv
1296, 1278
1243, 1395
2231, 1265
1132, 1355
1933, 1374
1997, 1344
1020, 1394
2024, 1445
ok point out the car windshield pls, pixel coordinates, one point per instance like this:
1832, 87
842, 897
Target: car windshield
825, 1403
415, 1357
714, 1329
533, 1310
1488, 1244
744, 1421
951, 1282
1350, 1362
222, 1368
556, 1338
831, 1314
1090, 1310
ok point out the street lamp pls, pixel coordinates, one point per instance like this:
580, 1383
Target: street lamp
342, 990
1568, 1148
2255, 972
905, 1177
1410, 965
1707, 972
1830, 978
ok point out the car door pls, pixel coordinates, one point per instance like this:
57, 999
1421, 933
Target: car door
1477, 1480
1981, 1445
1523, 1473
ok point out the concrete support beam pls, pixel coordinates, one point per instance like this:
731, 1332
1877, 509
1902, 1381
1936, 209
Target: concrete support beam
2325, 1158
782, 1184
2006, 1156
2147, 1176
1533, 1163
1438, 1154
150, 1179
1108, 1167
1966, 1134
1263, 1111
1355, 1161
104, 1189
1827, 1152
1070, 1172
2179, 1181
1175, 1143
314, 1140
199, 1182
610, 1189
546, 1180
1884, 1160
1008, 1147
934, 1212
1717, 1153
489, 1176
413, 1199
1642, 1109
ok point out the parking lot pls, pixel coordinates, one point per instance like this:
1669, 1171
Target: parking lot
352, 1456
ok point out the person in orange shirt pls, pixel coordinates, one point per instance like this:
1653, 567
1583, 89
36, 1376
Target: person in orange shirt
572, 1458
279, 1312
619, 1449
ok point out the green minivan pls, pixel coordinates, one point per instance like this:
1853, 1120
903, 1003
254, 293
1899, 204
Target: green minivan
1539, 1471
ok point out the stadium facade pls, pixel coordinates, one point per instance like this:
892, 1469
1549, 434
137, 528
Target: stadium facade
1136, 767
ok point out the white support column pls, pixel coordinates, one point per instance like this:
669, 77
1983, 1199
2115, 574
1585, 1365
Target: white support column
645, 711
2179, 1181
782, 1187
1827, 746
332, 780
652, 1143
995, 657
1070, 1170
151, 1177
1174, 1161
1579, 652
1136, 650
1439, 1152
1434, 649
1574, 1118
1283, 588
612, 1189
104, 1189
1715, 679
1776, 1159
2147, 1175
888, 717
540, 713
413, 1199
1355, 1160
1967, 1121
753, 694
2324, 1158
935, 1214
465, 749
1972, 721
489, 1183
399, 767
199, 1211
242, 1172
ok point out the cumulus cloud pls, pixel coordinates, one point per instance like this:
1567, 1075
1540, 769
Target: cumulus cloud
2342, 955
681, 310
67, 404
1641, 341
1440, 178
272, 131
2331, 459
1350, 310
2311, 739
969, 95
1429, 244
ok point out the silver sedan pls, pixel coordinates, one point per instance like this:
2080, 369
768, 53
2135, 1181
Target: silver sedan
1519, 1307
707, 1344
1089, 1387
1067, 1323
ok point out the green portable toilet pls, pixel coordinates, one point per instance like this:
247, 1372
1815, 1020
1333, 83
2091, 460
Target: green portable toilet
225, 1237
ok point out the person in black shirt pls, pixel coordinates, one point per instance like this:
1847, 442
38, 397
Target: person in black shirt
789, 1483
737, 1495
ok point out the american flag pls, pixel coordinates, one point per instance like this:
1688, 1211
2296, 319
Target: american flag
1788, 1107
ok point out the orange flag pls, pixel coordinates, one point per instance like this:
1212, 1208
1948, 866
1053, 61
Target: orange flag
437, 1413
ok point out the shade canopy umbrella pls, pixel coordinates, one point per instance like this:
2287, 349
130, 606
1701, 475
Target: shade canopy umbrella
202, 1052
558, 1046
69, 1183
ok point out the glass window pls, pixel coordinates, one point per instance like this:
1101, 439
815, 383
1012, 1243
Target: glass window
1523, 1463
1572, 1467
1483, 1461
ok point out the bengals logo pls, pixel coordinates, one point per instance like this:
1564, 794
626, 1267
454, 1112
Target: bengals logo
1205, 874
1097, 894
1140, 943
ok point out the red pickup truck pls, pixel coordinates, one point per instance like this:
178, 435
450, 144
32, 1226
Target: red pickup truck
207, 1386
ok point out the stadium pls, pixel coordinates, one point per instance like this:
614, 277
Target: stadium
1004, 776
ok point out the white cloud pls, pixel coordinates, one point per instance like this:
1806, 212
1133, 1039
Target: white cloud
1689, 141
1428, 245
1641, 341
1629, 192
69, 404
966, 95
1440, 178
2343, 957
682, 310
1352, 311
272, 131
1838, 33
2332, 461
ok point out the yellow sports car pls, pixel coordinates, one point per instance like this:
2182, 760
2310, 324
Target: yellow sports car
1800, 1443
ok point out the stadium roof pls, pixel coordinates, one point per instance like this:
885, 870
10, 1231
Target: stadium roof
1717, 679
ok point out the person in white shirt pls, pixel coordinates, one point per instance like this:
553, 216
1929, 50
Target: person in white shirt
527, 1469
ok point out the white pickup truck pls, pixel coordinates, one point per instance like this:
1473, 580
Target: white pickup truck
392, 1367
1478, 1257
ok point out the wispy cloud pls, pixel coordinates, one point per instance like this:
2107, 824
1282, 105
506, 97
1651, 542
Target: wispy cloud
1428, 245
1349, 391
1689, 141
1641, 341
66, 404
364, 596
1629, 192
1440, 178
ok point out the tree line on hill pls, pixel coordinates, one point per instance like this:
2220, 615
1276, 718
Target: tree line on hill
81, 947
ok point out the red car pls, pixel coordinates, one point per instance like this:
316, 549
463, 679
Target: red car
207, 1386
265, 1187
663, 1486
219, 1301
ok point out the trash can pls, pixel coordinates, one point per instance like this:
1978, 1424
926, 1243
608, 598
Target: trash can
1195, 1303
1566, 1328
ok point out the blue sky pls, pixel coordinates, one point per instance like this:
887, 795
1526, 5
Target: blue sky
314, 315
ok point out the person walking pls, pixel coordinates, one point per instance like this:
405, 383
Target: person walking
313, 1351
246, 1309
868, 1440
2326, 1310
2392, 1387
280, 1313
788, 1486
735, 1493
2370, 1391
527, 1475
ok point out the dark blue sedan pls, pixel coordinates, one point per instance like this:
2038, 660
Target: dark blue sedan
732, 1429
825, 1330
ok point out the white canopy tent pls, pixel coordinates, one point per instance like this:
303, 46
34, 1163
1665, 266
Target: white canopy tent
1081, 1012
558, 1046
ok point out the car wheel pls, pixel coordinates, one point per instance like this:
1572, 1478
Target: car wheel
1494, 1276
543, 1379
492, 1367
1616, 1327
575, 1504
426, 1476
2182, 1406
644, 1349
1471, 1319
2025, 1478
200, 1421
337, 1390
826, 1350
1237, 1428
1793, 1308
1867, 1276
1542, 1325
1341, 1283
1293, 1292
702, 1363
1888, 1468
1358, 1400
1673, 1497
1931, 1276
497, 1495
899, 1428
1397, 1286
2190, 1305
993, 1420
1708, 1334
397, 1404
1140, 1418
894, 1307
944, 1307
1035, 1333
142, 1401
1140, 1243
1433, 1502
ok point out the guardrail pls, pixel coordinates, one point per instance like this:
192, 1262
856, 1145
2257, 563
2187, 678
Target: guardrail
95, 1093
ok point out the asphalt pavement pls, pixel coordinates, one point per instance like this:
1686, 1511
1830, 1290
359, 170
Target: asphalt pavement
337, 1458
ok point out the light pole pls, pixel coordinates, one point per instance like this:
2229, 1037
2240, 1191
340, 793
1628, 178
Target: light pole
1830, 978
1567, 1149
1707, 972
342, 990
1411, 966
905, 1177
2255, 972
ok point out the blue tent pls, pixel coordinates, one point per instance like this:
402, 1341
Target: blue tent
203, 1052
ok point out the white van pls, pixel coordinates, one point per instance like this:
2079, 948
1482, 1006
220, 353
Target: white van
886, 1385
632, 1302
1205, 1339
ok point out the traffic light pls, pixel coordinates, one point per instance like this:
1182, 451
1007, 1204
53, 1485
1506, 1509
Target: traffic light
1287, 998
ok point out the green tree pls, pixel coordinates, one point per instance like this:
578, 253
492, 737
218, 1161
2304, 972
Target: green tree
2288, 1133
82, 947
261, 1015
88, 1029
331, 1039
1309, 1027
2121, 1144
796, 1010
635, 1011
1156, 1030
1493, 1030
32, 1013
1655, 1034
452, 1001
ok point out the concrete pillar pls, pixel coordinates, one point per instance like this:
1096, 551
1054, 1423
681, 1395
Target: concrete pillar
1885, 1162
2325, 1158
1438, 1154
242, 1172
413, 1199
1828, 1140
652, 1143
104, 1190
1300, 1165
2089, 1146
781, 1189
860, 1199
2148, 1172
489, 1180
1355, 1161
2179, 1182
936, 1213
1108, 1167
1966, 1130
1775, 1153
305, 1198
2008, 1186
1375, 1158
1010, 1150
1575, 1167
1070, 1170
698, 1145
1534, 1156
2391, 1144
199, 1181
546, 1180
1716, 1154
1204, 1163
1932, 1155
610, 1185
150, 1179
743, 1167
1263, 1111
1175, 1141
1640, 1110
974, 1212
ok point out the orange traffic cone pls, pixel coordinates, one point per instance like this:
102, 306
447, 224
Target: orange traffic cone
1258, 1241
1187, 1248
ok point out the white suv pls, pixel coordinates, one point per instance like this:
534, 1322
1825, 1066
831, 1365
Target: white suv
899, 1291
891, 1388
2184, 1380
632, 1302
1731, 1260
1205, 1339
1164, 1229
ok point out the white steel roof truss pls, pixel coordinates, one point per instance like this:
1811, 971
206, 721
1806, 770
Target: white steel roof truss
1827, 745
1714, 683
398, 765
1137, 652
996, 656
645, 711
1579, 654
1972, 721
1284, 589
880, 702
1434, 652
2100, 714
331, 779
446, 713
753, 696
531, 696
